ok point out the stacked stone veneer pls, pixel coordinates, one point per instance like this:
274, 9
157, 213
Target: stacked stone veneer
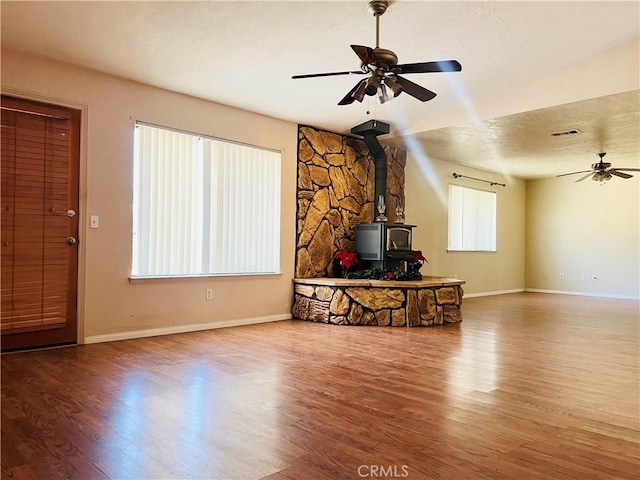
335, 192
410, 304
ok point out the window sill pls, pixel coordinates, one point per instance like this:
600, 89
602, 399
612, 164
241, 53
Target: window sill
472, 251
187, 278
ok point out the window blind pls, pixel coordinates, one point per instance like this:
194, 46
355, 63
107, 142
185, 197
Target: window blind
472, 219
203, 206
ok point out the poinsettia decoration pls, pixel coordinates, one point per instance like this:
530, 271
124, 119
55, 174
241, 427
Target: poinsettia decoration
347, 258
416, 262
417, 257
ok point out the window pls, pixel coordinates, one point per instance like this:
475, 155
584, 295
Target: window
203, 206
472, 219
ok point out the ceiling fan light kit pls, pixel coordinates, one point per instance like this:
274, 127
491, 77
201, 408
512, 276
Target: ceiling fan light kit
382, 69
602, 171
393, 85
601, 176
373, 84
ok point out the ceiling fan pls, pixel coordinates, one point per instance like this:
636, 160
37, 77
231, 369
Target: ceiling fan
382, 69
602, 171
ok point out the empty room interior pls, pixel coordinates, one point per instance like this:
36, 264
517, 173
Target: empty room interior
320, 240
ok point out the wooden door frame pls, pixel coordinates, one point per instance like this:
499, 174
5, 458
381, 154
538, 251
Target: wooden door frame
83, 223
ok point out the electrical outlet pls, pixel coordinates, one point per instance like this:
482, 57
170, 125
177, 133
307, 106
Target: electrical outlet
582, 276
545, 276
209, 294
562, 276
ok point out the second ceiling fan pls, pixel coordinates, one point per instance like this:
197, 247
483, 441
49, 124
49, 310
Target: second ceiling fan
383, 72
602, 171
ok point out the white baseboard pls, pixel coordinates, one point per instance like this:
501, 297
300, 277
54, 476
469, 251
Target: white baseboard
497, 292
583, 294
153, 332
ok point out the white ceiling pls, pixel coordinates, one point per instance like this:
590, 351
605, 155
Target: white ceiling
243, 54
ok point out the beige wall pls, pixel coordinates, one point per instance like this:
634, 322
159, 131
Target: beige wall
580, 229
426, 192
563, 233
584, 230
109, 304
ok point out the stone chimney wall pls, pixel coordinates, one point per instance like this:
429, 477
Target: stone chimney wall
335, 192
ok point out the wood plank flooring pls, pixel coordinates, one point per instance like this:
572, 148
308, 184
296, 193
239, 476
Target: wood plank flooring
528, 386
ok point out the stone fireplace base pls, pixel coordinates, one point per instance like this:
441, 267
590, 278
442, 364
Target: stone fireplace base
430, 301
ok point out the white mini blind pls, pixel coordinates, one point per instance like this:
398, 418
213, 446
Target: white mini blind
203, 206
472, 219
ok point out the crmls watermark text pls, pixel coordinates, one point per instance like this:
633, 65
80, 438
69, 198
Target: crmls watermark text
378, 471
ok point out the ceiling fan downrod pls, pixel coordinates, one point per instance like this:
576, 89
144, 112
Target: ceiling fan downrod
377, 8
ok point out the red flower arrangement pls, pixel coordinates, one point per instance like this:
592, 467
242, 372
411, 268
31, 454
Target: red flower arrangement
416, 262
347, 259
417, 257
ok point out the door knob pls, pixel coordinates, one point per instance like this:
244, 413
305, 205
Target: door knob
72, 240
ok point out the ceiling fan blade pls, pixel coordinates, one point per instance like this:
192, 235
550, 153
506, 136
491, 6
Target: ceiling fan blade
574, 173
625, 169
430, 67
620, 174
414, 89
349, 98
331, 74
365, 54
583, 178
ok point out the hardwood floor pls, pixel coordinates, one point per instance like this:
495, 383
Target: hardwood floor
527, 386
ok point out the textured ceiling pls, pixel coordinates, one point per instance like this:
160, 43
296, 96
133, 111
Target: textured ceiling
243, 54
523, 142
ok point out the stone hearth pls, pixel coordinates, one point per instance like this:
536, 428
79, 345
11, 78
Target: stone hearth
430, 301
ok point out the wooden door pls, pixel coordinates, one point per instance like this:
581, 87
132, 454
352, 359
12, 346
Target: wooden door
39, 215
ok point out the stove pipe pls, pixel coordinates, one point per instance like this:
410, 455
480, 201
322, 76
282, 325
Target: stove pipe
370, 131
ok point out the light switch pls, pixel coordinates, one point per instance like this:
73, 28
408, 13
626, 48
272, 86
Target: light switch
94, 222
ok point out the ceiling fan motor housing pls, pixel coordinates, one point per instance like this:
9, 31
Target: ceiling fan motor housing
600, 165
385, 57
